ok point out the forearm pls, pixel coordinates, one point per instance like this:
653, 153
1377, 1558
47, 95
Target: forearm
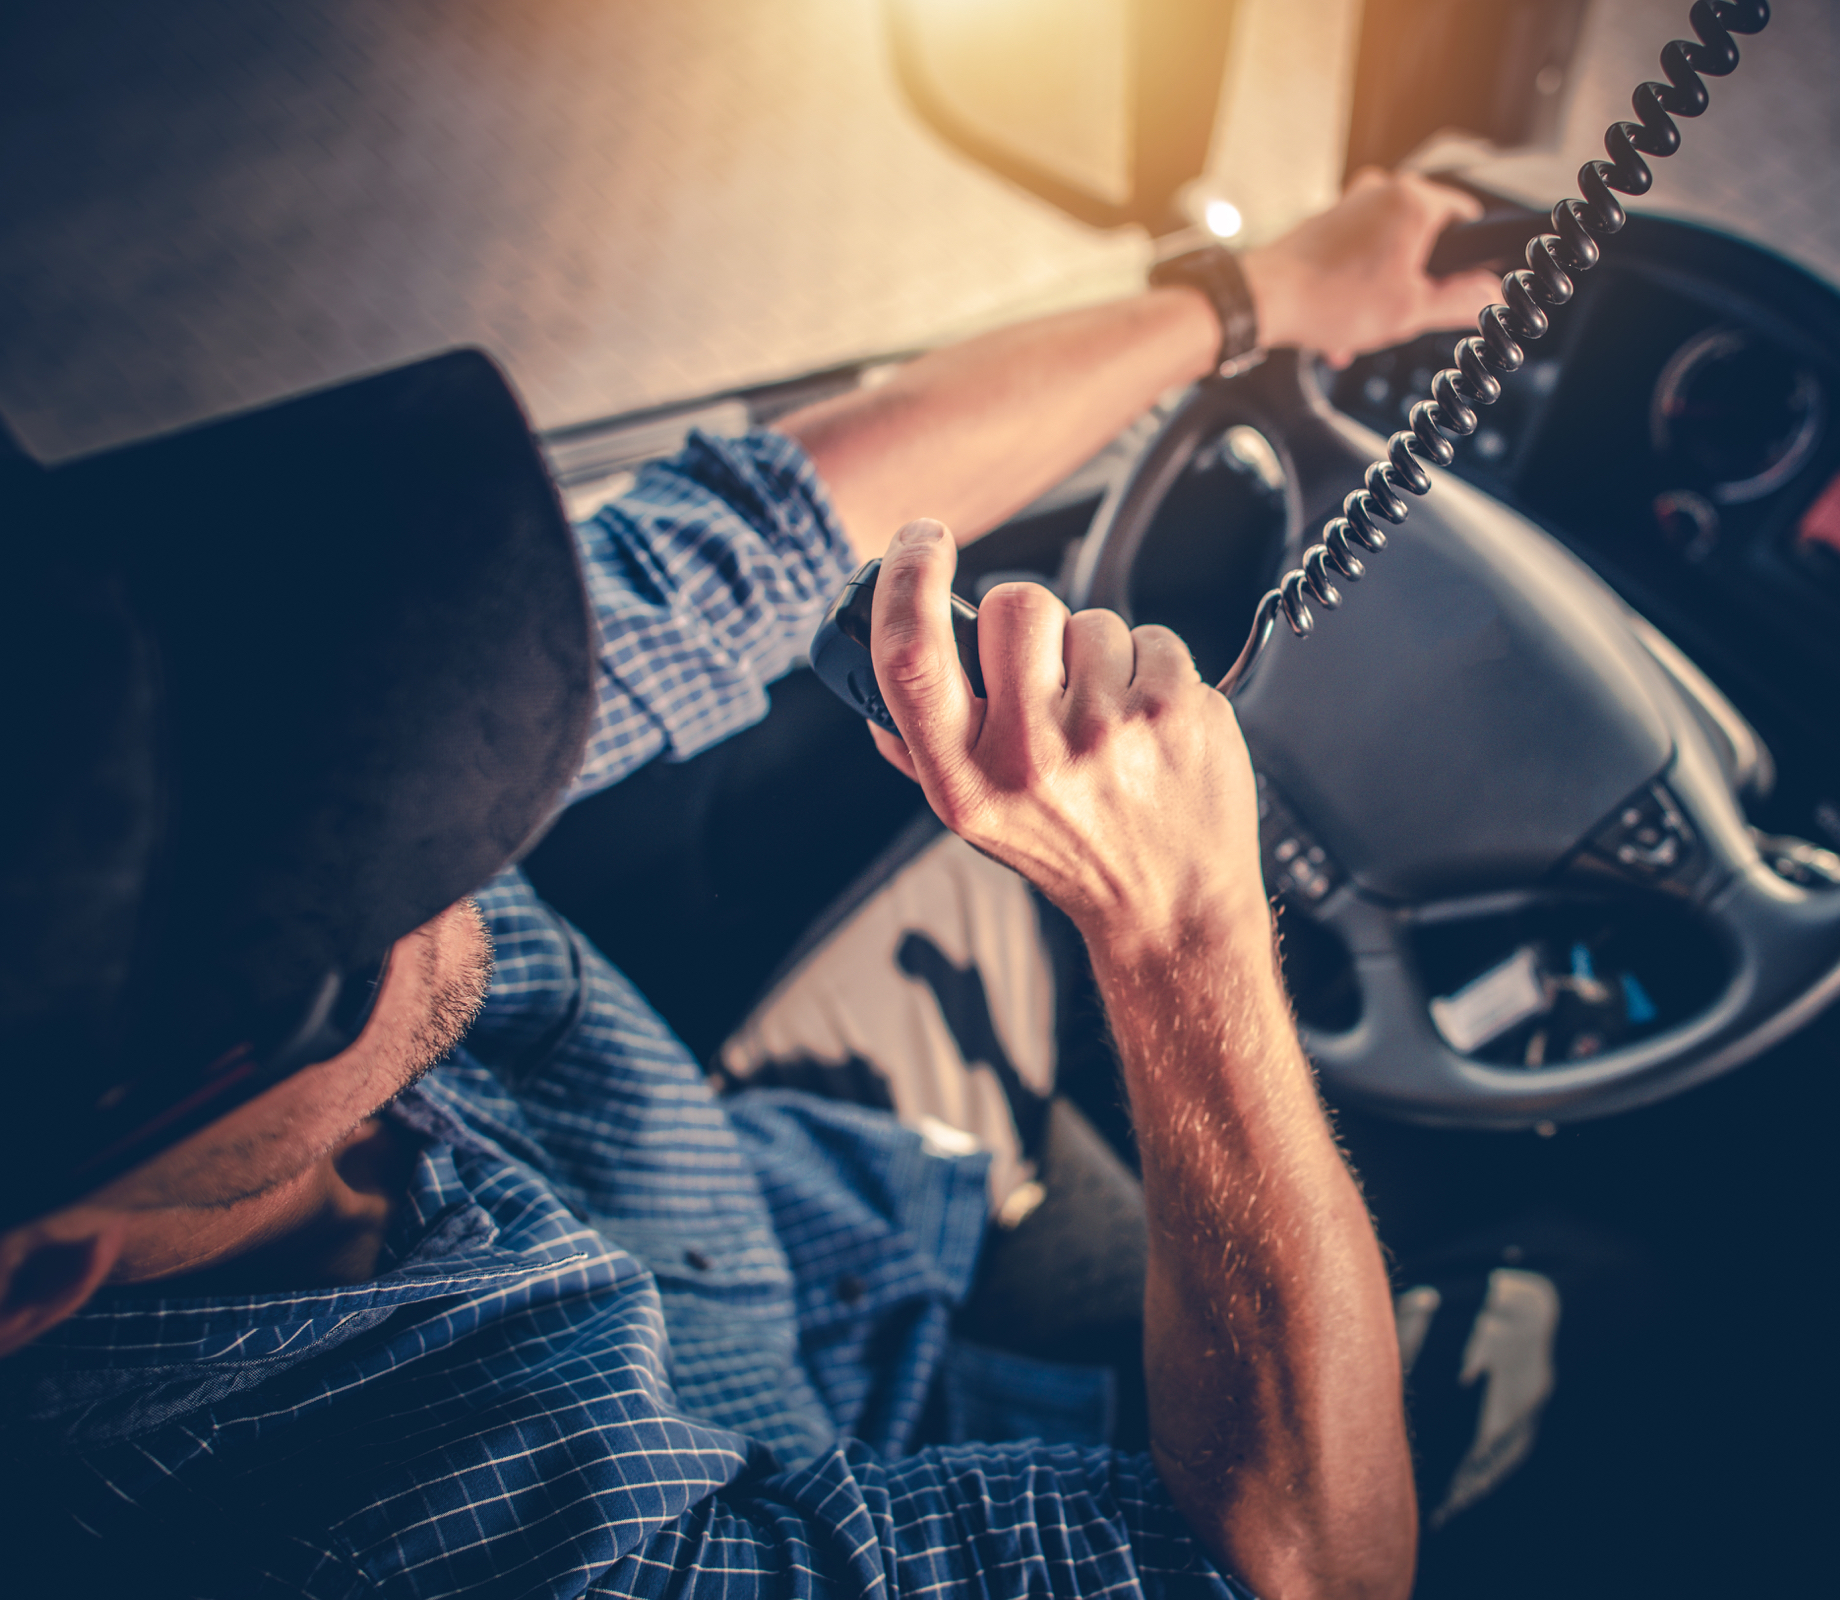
971, 433
1276, 1412
1102, 767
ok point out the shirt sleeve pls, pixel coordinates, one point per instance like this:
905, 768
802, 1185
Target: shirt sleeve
706, 579
1022, 1519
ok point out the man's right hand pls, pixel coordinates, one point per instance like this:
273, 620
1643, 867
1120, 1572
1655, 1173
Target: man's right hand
1102, 768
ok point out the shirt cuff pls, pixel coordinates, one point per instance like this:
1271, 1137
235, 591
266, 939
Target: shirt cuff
706, 579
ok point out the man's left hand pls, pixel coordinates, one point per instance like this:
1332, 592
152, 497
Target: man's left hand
1353, 277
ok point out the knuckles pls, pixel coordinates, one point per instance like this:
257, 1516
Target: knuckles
1161, 733
1165, 666
906, 658
962, 802
1016, 606
1097, 626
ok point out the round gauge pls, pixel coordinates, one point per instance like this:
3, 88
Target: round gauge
1687, 522
1737, 416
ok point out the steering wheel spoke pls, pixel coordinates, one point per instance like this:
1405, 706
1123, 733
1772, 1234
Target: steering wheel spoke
1395, 1058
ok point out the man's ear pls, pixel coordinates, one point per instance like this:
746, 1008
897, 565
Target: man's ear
48, 1269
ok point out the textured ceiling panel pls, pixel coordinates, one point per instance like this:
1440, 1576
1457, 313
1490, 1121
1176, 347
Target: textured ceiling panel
208, 203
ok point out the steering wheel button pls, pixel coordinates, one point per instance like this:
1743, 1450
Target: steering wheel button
1661, 854
1294, 864
1649, 838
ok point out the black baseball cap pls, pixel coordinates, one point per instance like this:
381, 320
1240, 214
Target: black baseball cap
274, 691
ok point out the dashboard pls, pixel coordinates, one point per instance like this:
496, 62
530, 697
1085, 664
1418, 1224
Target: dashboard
1679, 429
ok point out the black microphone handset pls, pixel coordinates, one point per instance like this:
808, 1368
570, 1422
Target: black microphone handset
840, 652
840, 648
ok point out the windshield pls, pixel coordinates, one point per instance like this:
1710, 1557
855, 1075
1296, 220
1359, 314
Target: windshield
1765, 173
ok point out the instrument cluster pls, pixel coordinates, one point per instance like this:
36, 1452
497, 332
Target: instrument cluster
1678, 430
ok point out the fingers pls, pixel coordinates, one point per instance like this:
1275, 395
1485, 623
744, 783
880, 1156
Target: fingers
910, 642
1098, 650
1459, 299
1163, 665
1442, 204
892, 750
1100, 659
1021, 627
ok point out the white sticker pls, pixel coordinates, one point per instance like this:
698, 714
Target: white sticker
942, 1139
1487, 1007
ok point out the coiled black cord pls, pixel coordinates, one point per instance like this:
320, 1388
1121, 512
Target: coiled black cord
1553, 260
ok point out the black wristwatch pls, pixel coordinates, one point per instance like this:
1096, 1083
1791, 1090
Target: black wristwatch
1214, 270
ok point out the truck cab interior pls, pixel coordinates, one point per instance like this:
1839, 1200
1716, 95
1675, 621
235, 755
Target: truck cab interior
1550, 797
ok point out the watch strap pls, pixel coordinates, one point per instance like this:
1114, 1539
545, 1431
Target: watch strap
1215, 271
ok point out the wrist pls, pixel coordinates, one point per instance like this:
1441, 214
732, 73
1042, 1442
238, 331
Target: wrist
1271, 285
1226, 930
1195, 1007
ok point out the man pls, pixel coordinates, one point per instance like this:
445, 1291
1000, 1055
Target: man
286, 1311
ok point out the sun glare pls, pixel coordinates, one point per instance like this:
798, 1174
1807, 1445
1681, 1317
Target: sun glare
1222, 218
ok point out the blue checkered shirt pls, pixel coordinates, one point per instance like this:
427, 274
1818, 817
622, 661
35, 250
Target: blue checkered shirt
625, 1338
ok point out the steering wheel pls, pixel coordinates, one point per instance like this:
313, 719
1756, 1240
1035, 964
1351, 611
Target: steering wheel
1484, 726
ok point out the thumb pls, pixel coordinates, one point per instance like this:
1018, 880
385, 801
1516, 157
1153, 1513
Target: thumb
911, 644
